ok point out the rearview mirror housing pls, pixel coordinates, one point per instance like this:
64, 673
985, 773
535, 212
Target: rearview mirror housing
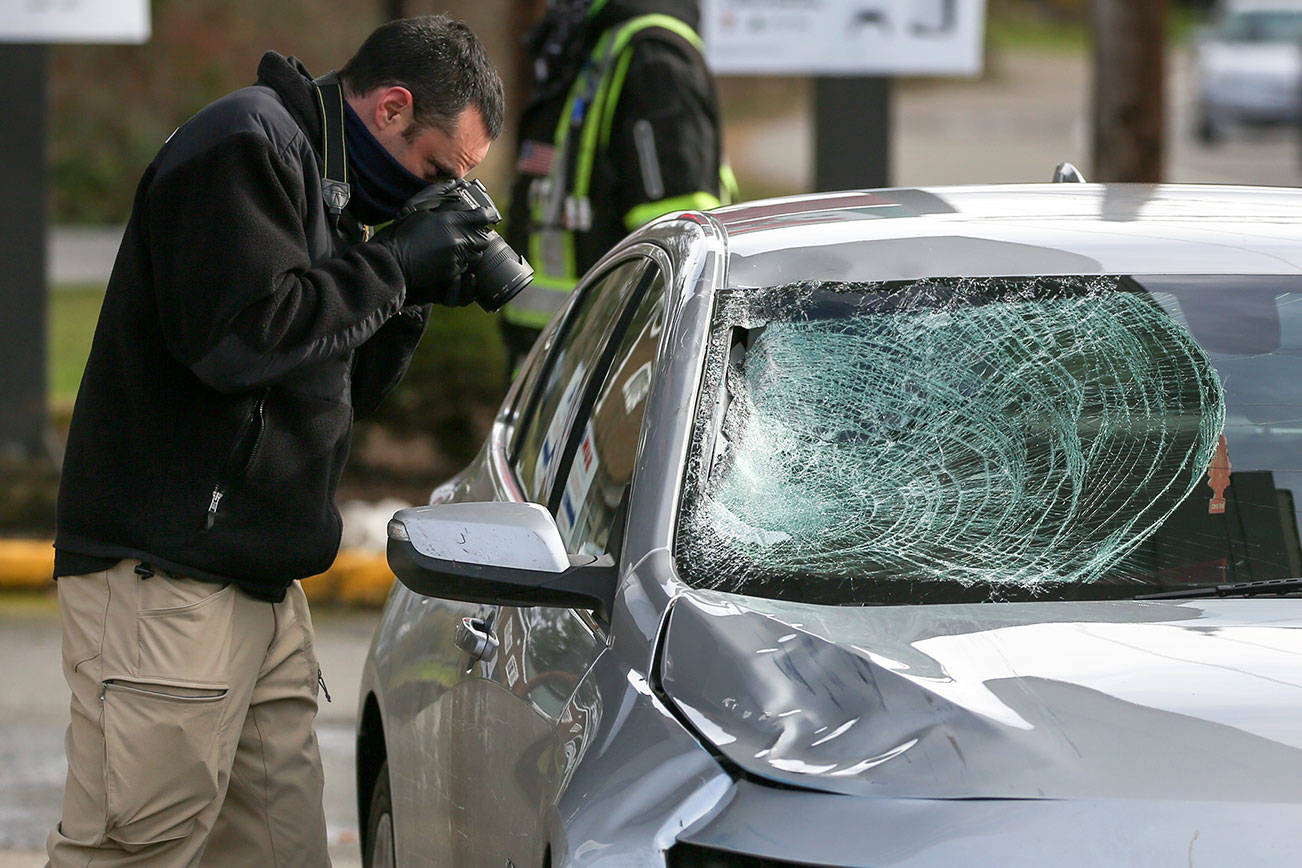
495, 553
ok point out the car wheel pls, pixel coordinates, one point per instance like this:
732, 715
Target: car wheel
379, 826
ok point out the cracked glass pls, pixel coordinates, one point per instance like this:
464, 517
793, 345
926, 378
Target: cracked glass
987, 439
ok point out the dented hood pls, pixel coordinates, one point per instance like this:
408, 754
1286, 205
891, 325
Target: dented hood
1126, 699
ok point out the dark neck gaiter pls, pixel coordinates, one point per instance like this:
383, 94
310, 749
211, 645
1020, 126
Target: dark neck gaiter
380, 184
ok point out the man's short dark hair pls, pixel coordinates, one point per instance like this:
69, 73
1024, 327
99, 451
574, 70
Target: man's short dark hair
440, 61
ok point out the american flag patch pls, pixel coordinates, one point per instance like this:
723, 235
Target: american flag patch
535, 158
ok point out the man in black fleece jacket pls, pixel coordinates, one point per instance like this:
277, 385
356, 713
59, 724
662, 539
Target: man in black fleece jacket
245, 324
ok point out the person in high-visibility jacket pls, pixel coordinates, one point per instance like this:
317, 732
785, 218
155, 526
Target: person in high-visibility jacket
622, 127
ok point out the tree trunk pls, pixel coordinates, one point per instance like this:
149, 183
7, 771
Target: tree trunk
1129, 90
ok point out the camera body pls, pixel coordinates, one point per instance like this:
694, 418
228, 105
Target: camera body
501, 273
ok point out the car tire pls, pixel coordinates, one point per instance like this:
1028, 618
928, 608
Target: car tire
379, 851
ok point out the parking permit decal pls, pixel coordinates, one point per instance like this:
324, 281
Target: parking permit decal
1218, 477
582, 472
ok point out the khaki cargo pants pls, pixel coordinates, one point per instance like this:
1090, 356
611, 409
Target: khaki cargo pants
191, 737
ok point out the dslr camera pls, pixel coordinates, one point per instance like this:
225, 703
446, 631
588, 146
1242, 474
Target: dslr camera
500, 273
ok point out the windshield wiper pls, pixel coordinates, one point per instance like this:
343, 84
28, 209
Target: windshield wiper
1233, 589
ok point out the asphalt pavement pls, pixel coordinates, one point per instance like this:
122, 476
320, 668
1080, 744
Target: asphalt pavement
34, 713
1029, 112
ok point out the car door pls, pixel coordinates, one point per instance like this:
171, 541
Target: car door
574, 452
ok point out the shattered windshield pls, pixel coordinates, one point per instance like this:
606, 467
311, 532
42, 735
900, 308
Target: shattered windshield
996, 439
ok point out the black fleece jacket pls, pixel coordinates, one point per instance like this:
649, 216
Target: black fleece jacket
669, 87
240, 332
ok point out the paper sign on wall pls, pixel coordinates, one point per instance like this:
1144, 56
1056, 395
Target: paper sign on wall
844, 37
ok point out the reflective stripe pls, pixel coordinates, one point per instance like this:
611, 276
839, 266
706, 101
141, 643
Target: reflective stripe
607, 52
648, 211
644, 141
553, 249
616, 88
562, 205
655, 19
729, 191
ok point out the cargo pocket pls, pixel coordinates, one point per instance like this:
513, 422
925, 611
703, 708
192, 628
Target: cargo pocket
185, 644
160, 743
83, 611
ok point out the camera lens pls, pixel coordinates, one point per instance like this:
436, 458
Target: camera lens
500, 274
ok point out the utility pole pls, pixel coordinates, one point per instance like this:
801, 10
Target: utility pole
395, 9
25, 31
23, 228
852, 132
1129, 106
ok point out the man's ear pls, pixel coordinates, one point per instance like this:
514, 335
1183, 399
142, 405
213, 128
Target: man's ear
394, 105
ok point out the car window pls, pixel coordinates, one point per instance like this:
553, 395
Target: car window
601, 466
1281, 26
526, 375
552, 405
986, 439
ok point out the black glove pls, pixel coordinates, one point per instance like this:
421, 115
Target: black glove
435, 248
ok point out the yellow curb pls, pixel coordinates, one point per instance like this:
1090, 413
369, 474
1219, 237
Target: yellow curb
26, 564
356, 578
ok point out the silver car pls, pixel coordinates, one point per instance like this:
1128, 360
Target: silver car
913, 527
1249, 67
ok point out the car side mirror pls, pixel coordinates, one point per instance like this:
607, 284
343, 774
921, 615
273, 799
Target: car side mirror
498, 553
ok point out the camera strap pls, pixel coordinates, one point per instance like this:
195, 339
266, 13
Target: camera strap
334, 154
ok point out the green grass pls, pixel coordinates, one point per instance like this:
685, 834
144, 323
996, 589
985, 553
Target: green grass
471, 333
1036, 32
1024, 29
456, 379
73, 312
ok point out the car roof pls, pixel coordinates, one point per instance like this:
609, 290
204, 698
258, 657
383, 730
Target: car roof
1260, 5
1063, 228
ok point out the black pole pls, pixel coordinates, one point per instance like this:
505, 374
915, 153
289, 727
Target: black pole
22, 226
852, 132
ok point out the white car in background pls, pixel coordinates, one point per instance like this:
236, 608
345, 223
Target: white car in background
1249, 67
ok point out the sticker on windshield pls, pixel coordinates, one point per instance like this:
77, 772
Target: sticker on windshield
575, 497
1218, 477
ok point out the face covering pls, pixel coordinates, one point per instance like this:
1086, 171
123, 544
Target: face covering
380, 184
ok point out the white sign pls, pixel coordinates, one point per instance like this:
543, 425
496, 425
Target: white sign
121, 21
843, 37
